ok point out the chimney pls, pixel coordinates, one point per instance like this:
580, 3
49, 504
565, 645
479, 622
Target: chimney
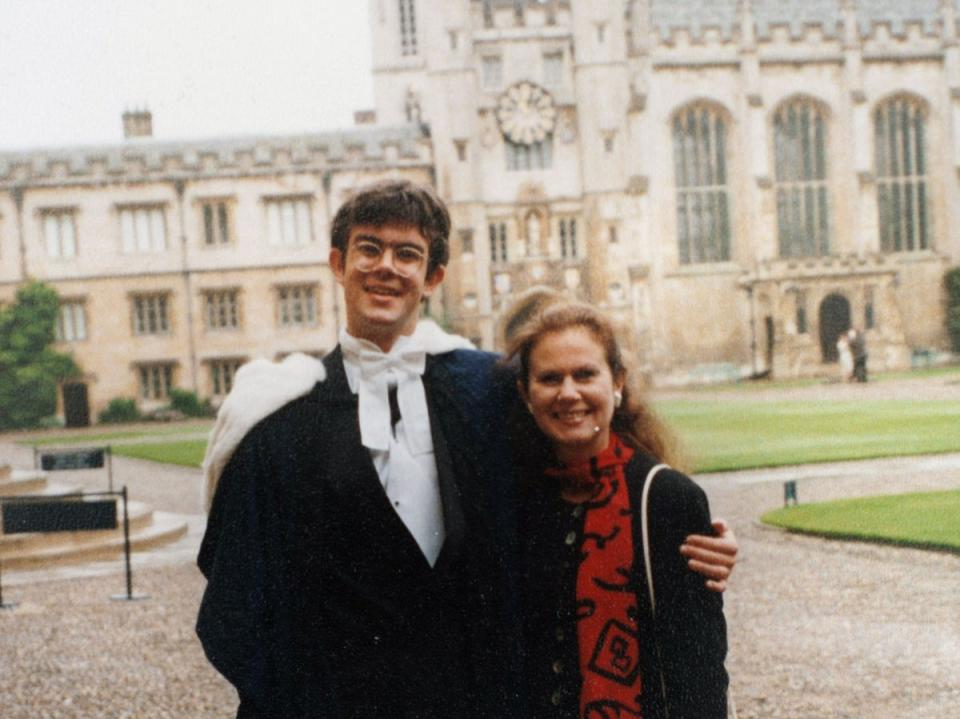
137, 124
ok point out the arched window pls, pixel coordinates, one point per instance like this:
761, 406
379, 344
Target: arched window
408, 28
803, 207
900, 143
703, 203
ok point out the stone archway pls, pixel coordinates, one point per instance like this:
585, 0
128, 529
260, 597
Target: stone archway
834, 319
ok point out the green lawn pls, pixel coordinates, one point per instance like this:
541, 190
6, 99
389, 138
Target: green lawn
930, 520
716, 434
730, 434
107, 436
188, 452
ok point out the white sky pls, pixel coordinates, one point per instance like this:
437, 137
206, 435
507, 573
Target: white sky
205, 68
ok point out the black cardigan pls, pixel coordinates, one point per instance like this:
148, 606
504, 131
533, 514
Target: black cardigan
687, 641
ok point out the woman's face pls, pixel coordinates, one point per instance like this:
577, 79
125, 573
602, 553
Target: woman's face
570, 393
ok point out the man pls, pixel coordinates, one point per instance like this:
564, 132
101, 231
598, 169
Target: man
858, 347
359, 545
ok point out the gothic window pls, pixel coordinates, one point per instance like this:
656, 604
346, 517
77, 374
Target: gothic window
900, 144
71, 321
703, 200
222, 309
568, 237
151, 314
408, 28
143, 229
801, 318
498, 242
156, 379
535, 156
222, 372
492, 71
288, 220
297, 306
216, 222
803, 208
466, 241
59, 232
553, 68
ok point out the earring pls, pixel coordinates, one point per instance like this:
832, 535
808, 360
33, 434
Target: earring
617, 398
529, 408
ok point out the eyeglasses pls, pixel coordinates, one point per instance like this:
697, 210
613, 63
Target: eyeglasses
406, 260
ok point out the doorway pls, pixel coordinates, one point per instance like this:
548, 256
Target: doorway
76, 407
834, 319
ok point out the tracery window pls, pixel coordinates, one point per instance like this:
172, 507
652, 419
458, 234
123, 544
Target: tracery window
803, 206
408, 28
703, 201
535, 156
498, 241
900, 146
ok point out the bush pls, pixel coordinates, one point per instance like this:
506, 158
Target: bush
951, 283
120, 410
189, 404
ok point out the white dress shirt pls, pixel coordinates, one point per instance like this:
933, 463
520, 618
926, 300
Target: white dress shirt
403, 456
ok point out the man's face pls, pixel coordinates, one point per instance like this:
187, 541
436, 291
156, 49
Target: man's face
384, 278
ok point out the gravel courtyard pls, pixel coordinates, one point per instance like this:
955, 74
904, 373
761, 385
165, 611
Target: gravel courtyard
816, 628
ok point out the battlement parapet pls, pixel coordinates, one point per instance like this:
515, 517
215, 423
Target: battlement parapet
722, 21
150, 160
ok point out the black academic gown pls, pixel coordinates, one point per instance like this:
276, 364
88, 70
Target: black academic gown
319, 602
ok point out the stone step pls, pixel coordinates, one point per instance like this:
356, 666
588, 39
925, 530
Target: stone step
22, 481
162, 529
13, 545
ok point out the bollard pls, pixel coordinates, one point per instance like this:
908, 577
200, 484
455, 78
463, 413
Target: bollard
790, 493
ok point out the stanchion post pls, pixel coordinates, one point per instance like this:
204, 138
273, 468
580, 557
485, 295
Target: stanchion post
3, 604
129, 596
110, 469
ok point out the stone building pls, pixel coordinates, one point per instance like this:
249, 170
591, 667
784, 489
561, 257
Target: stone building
177, 262
737, 180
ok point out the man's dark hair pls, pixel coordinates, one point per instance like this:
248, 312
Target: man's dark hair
397, 202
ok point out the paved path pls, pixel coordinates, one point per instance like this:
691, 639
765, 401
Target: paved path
817, 628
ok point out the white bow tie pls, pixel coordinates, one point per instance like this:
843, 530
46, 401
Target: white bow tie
405, 364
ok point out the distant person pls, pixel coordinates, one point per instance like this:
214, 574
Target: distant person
846, 358
858, 346
596, 646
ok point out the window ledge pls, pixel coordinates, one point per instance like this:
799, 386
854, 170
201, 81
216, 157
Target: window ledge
705, 268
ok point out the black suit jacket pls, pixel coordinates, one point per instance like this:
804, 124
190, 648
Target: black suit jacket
319, 603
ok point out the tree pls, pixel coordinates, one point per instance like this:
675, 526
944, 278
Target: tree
29, 367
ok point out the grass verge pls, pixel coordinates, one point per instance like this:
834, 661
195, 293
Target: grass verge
105, 437
729, 435
928, 520
187, 453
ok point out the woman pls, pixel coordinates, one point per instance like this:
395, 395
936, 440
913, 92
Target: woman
594, 646
845, 354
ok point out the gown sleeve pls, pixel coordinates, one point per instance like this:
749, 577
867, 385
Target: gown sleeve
690, 626
247, 617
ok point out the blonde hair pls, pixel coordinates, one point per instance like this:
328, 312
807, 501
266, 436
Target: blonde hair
634, 421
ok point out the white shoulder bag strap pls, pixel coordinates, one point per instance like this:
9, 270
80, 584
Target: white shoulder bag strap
645, 534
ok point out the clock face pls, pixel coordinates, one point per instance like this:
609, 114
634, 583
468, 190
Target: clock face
526, 113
